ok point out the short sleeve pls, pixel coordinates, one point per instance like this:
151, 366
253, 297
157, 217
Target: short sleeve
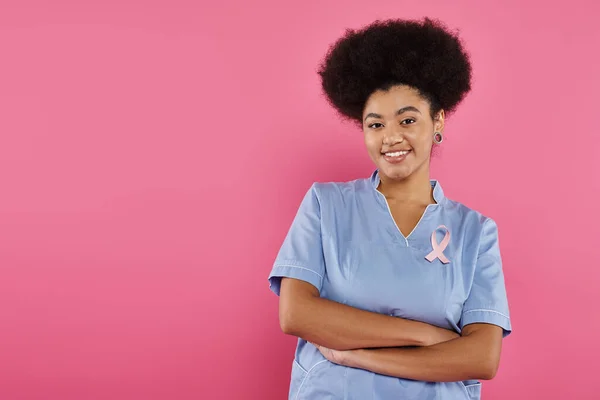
487, 301
301, 254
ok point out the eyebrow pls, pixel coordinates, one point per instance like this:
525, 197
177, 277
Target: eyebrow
400, 111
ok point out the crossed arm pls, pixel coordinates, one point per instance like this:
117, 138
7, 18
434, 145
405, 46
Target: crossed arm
376, 342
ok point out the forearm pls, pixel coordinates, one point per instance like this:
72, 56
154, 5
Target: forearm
467, 357
341, 327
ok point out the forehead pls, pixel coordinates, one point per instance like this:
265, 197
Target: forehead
388, 101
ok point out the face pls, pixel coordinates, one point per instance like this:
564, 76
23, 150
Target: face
399, 132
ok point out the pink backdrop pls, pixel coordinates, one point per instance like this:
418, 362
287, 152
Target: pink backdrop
153, 155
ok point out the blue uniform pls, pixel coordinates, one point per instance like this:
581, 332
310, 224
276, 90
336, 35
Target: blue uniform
447, 272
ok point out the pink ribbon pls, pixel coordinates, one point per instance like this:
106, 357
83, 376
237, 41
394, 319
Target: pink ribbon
438, 248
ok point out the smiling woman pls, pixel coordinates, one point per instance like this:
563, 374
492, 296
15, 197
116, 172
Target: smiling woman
399, 141
394, 290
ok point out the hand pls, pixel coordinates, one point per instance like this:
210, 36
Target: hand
335, 356
440, 335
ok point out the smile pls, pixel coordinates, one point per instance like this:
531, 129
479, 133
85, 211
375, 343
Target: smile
397, 153
396, 157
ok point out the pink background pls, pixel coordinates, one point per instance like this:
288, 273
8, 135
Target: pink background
153, 155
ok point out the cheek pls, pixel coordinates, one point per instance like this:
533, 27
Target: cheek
372, 142
422, 141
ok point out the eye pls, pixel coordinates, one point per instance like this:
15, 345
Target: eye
373, 125
408, 119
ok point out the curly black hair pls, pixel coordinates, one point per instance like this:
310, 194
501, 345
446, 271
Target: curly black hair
422, 54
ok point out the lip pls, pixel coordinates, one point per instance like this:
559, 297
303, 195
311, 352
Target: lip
396, 160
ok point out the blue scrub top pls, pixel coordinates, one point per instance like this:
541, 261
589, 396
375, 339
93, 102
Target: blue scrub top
344, 241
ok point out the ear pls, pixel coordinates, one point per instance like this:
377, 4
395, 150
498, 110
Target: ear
438, 121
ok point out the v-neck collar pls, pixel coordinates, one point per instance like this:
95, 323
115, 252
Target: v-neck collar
438, 196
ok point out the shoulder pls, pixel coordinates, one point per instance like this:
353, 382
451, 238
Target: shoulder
339, 191
472, 219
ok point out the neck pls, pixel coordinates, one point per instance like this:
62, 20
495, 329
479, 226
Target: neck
415, 189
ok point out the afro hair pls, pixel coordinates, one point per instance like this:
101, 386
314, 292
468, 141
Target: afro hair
421, 54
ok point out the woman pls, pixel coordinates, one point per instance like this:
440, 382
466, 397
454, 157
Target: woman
394, 290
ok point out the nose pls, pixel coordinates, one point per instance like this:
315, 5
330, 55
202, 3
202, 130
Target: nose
393, 136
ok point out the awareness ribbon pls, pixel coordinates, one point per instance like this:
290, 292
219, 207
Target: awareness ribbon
438, 248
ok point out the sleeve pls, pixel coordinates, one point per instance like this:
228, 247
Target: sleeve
301, 254
487, 301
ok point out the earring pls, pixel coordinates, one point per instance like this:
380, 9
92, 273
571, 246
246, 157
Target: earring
438, 137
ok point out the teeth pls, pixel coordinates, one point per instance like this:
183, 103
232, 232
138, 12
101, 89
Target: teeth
397, 154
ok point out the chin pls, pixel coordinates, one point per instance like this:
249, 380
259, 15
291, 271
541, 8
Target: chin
395, 172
